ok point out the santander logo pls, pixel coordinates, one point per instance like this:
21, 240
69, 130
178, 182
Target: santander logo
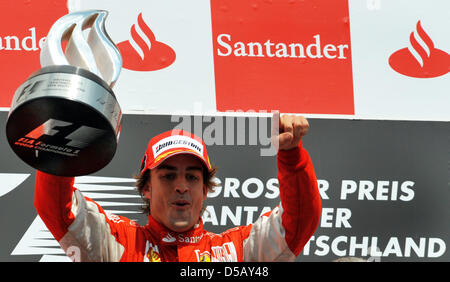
142, 52
420, 59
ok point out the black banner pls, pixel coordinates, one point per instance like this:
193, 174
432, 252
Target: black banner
384, 185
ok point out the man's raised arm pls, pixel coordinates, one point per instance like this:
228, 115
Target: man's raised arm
281, 234
80, 225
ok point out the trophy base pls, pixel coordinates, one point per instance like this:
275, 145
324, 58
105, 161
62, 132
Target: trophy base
64, 121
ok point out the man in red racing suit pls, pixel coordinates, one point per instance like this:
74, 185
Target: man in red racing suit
83, 228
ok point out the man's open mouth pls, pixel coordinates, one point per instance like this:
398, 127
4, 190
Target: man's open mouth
181, 203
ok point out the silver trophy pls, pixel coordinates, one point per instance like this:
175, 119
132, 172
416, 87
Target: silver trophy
65, 119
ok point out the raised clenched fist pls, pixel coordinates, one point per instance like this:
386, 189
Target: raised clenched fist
291, 129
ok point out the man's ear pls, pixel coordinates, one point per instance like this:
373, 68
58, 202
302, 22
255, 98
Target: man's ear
147, 190
205, 192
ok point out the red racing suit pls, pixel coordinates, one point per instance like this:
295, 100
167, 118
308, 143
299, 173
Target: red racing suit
82, 227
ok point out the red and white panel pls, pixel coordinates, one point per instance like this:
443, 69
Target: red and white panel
400, 59
294, 56
24, 26
167, 53
368, 59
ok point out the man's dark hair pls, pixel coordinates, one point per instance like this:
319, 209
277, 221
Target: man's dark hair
142, 180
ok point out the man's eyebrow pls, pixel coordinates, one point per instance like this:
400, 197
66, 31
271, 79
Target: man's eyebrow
169, 167
194, 168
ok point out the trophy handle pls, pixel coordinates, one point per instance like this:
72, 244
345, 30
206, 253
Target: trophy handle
97, 53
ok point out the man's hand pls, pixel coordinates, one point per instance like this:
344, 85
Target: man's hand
291, 129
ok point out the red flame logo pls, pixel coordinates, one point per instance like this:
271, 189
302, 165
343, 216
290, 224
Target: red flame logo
143, 52
420, 59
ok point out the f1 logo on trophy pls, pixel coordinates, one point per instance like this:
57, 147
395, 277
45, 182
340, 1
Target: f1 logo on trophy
65, 119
